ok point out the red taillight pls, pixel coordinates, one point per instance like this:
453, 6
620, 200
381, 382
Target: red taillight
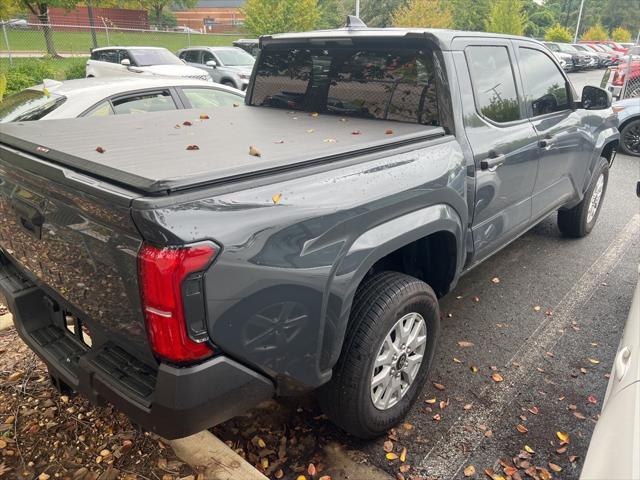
162, 272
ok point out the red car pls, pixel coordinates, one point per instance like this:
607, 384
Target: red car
616, 46
613, 79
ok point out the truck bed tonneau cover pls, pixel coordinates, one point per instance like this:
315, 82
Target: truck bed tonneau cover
149, 152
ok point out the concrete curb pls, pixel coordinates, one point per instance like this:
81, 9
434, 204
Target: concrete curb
6, 321
205, 451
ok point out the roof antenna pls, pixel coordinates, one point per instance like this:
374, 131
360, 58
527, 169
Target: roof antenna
354, 22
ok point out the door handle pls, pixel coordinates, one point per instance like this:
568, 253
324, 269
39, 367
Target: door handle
622, 362
492, 163
546, 142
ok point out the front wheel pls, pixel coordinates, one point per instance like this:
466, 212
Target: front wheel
580, 220
385, 359
630, 138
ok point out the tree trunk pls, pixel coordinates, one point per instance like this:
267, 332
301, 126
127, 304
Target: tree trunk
158, 12
43, 18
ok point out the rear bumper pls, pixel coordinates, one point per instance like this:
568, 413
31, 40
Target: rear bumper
171, 401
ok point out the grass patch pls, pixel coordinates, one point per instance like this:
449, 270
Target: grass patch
26, 72
81, 42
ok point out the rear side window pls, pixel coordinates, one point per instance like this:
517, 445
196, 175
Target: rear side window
208, 97
192, 56
493, 82
28, 105
546, 89
110, 56
381, 83
144, 102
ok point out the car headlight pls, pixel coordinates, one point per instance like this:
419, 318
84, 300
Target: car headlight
244, 76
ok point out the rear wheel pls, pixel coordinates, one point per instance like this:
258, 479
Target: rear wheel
630, 138
229, 83
580, 220
386, 356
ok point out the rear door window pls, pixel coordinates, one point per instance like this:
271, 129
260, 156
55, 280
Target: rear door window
110, 56
209, 97
191, 56
493, 81
382, 83
546, 89
144, 102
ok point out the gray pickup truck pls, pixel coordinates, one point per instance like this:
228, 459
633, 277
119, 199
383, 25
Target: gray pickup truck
185, 266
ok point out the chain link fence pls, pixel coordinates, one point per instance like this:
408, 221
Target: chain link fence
20, 39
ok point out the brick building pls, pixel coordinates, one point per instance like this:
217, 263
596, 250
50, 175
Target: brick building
113, 17
212, 15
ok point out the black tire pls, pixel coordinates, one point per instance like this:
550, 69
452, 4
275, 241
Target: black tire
574, 222
229, 83
630, 138
380, 302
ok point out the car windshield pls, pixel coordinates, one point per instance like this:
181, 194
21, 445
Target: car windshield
553, 47
145, 57
567, 48
29, 105
580, 47
235, 58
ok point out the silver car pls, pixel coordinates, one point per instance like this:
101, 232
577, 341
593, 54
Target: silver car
628, 111
89, 97
229, 66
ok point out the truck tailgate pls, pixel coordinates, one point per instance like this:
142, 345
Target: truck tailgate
74, 238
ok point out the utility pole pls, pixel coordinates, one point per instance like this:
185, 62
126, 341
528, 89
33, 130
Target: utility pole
575, 38
358, 8
93, 28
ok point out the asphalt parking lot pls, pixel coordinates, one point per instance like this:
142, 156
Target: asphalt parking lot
546, 315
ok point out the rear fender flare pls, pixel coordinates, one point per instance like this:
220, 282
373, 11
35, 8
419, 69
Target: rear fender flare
365, 251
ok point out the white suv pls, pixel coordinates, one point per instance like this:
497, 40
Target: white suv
136, 61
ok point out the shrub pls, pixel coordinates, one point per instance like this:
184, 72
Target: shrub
75, 70
3, 85
621, 34
597, 32
558, 33
27, 74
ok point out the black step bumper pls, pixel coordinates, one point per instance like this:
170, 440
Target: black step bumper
169, 400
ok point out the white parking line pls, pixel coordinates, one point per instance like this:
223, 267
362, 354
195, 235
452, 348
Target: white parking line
447, 457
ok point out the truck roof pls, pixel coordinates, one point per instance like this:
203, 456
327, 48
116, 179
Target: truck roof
442, 37
159, 152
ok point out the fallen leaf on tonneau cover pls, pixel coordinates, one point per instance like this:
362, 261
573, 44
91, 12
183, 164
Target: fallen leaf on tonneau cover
391, 456
469, 471
388, 132
438, 386
465, 344
193, 147
534, 410
521, 428
311, 469
561, 450
387, 446
495, 280
276, 199
579, 416
187, 123
496, 377
594, 361
204, 116
437, 417
100, 150
592, 399
563, 437
356, 132
254, 152
473, 369
537, 308
431, 401
528, 449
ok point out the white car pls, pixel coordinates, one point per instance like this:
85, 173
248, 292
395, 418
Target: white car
140, 61
614, 451
88, 97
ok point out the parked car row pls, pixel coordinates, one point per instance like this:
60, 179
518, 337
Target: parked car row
230, 66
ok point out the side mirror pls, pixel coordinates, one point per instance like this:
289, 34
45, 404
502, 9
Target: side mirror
126, 62
211, 63
595, 98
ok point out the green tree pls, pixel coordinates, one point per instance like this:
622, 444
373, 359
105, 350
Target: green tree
40, 9
539, 18
597, 32
558, 33
332, 13
157, 7
506, 17
278, 16
470, 14
379, 13
423, 13
621, 13
621, 34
